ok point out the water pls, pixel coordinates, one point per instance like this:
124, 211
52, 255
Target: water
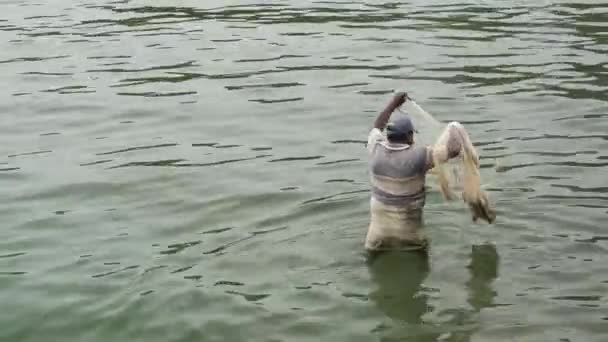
195, 171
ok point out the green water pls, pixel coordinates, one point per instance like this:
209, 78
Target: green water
196, 171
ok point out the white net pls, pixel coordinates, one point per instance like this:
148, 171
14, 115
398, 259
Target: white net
456, 175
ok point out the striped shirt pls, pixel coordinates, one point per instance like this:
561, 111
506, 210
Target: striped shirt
397, 171
397, 176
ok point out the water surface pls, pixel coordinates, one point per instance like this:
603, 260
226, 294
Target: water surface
196, 171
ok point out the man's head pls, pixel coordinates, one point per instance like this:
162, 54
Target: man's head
400, 131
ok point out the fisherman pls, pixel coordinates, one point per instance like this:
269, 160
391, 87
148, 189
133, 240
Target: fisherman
398, 170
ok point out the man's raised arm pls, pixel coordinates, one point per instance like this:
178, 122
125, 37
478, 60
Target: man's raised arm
385, 115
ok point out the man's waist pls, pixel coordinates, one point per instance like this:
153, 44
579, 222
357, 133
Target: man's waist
412, 199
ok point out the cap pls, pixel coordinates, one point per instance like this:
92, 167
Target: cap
399, 128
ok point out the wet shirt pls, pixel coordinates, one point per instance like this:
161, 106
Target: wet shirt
397, 171
397, 176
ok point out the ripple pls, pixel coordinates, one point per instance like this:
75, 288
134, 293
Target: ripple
338, 195
175, 78
593, 239
228, 283
226, 40
347, 85
164, 162
358, 296
43, 34
204, 144
137, 148
101, 275
267, 101
157, 94
349, 141
182, 269
269, 85
12, 273
289, 159
340, 161
12, 255
32, 59
69, 90
226, 146
220, 249
217, 231
590, 206
223, 247
567, 163
180, 247
154, 268
547, 177
249, 297
340, 180
114, 63
109, 57
563, 197
341, 67
37, 73
29, 153
46, 16
103, 161
375, 92
252, 60
153, 68
221, 162
575, 188
578, 298
582, 116
267, 231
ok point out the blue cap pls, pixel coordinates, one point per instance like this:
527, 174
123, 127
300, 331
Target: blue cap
400, 128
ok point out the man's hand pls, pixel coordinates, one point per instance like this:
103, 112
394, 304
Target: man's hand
385, 115
399, 99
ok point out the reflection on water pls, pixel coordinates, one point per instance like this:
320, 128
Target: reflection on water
483, 270
399, 293
397, 278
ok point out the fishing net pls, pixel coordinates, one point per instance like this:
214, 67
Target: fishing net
455, 175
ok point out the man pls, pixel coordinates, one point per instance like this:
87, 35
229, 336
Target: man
398, 168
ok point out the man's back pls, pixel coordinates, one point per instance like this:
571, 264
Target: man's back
397, 174
397, 171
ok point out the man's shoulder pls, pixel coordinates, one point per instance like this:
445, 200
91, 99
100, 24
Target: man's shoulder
375, 136
375, 133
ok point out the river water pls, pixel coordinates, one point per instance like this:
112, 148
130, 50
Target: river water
196, 171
